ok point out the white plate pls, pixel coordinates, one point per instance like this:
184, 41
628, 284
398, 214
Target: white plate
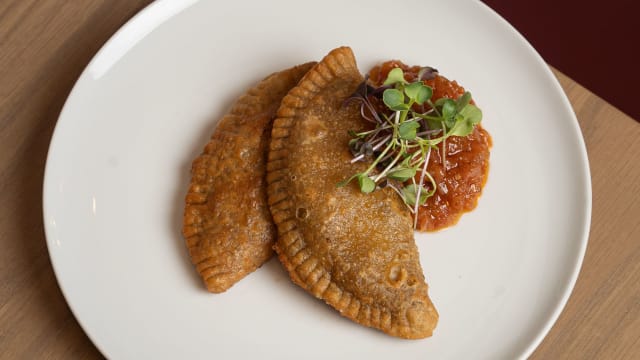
119, 162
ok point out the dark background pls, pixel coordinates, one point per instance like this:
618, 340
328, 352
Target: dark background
594, 43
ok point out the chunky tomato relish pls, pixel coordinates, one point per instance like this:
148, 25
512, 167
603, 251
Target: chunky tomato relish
461, 177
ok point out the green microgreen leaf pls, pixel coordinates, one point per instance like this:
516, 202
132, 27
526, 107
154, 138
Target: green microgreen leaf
408, 130
402, 174
448, 109
469, 117
472, 113
367, 185
434, 124
451, 122
418, 92
410, 194
440, 102
463, 101
461, 128
394, 99
396, 75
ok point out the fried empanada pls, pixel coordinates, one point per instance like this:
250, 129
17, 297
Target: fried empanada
355, 251
227, 225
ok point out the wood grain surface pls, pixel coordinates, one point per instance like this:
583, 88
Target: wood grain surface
44, 46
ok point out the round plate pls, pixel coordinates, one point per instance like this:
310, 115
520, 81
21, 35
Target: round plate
119, 162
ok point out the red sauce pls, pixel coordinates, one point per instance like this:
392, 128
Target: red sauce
461, 179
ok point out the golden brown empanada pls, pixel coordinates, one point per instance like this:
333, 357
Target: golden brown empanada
227, 224
355, 251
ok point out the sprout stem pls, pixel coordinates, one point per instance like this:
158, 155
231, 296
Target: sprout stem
422, 174
375, 147
444, 151
391, 165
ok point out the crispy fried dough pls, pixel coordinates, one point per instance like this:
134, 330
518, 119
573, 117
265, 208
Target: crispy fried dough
227, 225
355, 251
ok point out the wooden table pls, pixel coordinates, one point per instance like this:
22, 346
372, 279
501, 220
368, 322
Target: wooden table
44, 45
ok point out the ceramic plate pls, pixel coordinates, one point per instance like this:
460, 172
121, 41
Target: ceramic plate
119, 162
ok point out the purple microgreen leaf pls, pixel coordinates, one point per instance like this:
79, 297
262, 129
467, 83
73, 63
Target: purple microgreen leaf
367, 149
379, 90
427, 73
354, 146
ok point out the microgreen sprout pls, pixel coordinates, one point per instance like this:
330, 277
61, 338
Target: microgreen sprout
398, 148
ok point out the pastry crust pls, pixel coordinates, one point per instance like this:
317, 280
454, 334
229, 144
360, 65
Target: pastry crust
227, 225
355, 251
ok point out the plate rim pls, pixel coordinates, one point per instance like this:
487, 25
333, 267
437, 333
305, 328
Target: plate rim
586, 176
121, 31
